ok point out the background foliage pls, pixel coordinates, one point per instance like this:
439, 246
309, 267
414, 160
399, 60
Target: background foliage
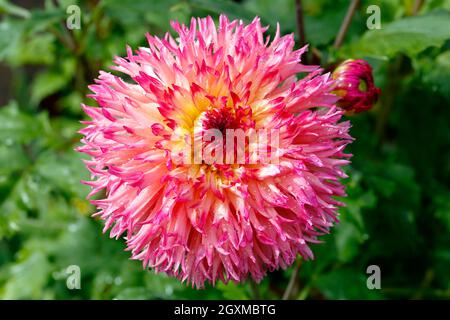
398, 209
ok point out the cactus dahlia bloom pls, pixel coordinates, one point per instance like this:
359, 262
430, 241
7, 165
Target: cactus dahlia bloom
215, 220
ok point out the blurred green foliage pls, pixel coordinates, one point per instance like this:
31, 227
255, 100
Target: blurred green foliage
398, 206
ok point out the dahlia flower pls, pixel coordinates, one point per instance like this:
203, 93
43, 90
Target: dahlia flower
207, 221
355, 86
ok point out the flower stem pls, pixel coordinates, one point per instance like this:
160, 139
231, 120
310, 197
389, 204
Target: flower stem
346, 23
288, 293
417, 6
388, 96
304, 293
255, 290
300, 22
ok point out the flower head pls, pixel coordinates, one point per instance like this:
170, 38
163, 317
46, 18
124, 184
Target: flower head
186, 206
355, 86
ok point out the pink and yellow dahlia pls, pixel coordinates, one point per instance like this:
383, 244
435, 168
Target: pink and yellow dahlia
203, 220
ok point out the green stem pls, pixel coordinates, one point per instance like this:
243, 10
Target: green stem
417, 5
255, 290
292, 281
346, 23
300, 22
388, 96
304, 293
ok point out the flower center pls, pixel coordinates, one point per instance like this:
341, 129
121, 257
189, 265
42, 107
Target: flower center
221, 119
219, 137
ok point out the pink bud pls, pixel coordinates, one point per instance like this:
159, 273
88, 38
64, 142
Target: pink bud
354, 84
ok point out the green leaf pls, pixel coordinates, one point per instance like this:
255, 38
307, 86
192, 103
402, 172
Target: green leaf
45, 84
19, 127
230, 8
64, 171
40, 20
8, 152
137, 293
436, 73
410, 36
345, 284
27, 278
128, 12
348, 239
442, 204
166, 11
12, 9
233, 291
10, 34
272, 12
40, 49
51, 81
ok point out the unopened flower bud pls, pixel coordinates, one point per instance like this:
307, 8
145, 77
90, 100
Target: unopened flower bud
354, 85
